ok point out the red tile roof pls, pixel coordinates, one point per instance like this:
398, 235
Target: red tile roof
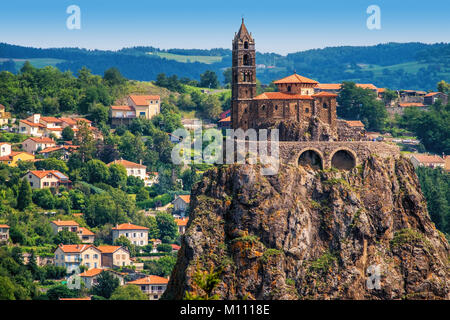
52, 149
227, 119
86, 232
50, 119
42, 173
150, 280
426, 158
129, 226
432, 94
91, 273
324, 94
4, 226
182, 221
143, 100
75, 248
295, 78
41, 140
175, 247
355, 123
281, 96
185, 198
127, 164
32, 124
64, 223
108, 249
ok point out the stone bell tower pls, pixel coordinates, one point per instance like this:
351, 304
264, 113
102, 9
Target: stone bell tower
243, 82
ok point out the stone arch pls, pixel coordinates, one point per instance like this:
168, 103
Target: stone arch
343, 159
246, 45
311, 157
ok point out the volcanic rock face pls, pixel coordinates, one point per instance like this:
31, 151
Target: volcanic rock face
313, 234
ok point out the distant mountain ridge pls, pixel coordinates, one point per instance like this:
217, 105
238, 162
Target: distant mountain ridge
394, 65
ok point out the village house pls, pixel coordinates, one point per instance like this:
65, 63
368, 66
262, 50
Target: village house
399, 108
4, 233
4, 116
138, 235
432, 97
114, 256
35, 144
40, 179
447, 163
64, 151
68, 225
182, 223
5, 149
73, 123
15, 156
72, 256
32, 126
89, 277
426, 160
138, 106
86, 235
181, 203
145, 106
137, 170
152, 286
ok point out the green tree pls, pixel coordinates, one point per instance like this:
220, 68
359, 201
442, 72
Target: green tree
113, 77
128, 292
68, 134
166, 225
66, 237
443, 87
6, 289
118, 175
208, 79
106, 284
24, 198
52, 164
96, 171
44, 198
361, 104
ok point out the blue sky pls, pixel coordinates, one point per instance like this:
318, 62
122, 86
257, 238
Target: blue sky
278, 26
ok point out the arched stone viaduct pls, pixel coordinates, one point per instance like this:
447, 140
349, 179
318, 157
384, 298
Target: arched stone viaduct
343, 155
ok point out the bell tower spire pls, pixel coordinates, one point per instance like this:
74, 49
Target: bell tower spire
243, 83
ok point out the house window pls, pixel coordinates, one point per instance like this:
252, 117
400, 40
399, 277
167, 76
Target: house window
86, 256
134, 235
31, 184
95, 256
289, 88
143, 288
142, 114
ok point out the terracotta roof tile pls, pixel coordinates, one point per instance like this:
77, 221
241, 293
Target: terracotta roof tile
426, 158
108, 249
86, 232
355, 123
281, 96
295, 78
129, 226
127, 164
62, 223
182, 222
150, 280
91, 273
143, 100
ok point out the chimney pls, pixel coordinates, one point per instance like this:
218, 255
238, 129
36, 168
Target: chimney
140, 162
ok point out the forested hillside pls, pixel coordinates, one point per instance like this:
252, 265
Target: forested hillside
392, 65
